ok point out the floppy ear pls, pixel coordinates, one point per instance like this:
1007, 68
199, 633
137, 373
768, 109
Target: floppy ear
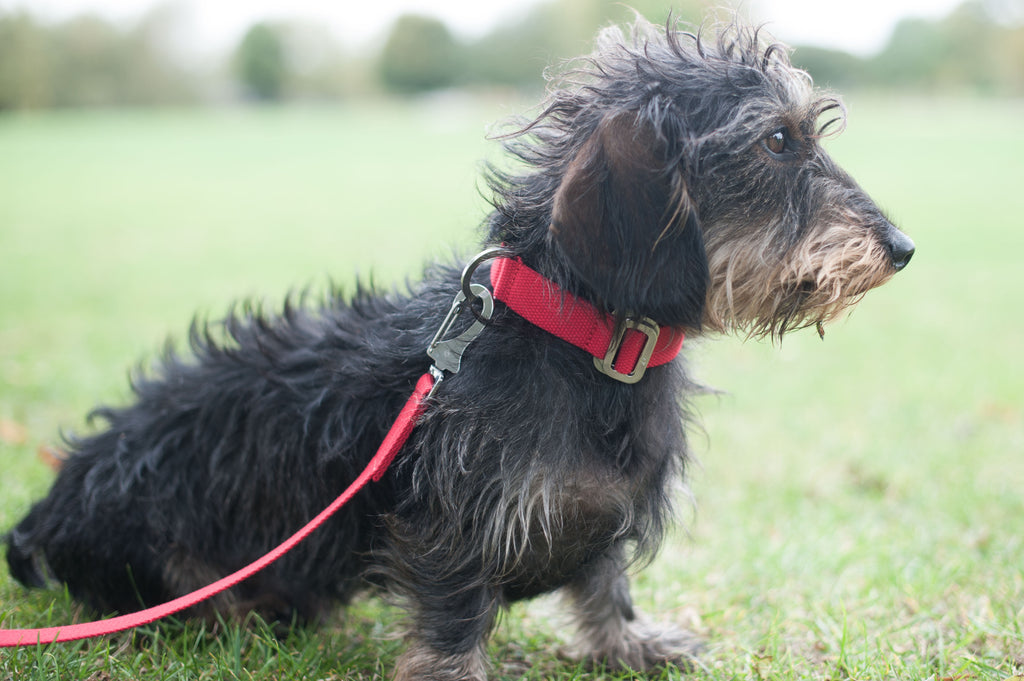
625, 223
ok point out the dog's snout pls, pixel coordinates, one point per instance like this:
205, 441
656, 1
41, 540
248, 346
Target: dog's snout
901, 247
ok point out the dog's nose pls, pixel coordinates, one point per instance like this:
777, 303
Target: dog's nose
901, 248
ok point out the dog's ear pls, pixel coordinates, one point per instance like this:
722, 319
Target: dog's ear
624, 220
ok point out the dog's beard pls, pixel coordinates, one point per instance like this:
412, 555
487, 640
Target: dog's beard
760, 294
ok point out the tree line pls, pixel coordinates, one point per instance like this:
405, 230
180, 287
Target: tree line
977, 48
87, 61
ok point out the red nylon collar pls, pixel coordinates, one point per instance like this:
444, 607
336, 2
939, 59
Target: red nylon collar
621, 351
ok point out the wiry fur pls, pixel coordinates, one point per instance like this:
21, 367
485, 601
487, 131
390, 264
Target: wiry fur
648, 186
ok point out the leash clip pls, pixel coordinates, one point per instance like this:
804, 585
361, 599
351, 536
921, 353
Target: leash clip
447, 354
468, 289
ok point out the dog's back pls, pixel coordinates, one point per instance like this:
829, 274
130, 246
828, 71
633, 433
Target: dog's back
226, 451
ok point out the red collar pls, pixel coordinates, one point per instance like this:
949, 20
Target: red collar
622, 351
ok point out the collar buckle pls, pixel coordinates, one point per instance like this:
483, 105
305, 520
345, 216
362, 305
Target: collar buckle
606, 365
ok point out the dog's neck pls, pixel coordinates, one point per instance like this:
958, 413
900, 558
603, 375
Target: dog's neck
623, 347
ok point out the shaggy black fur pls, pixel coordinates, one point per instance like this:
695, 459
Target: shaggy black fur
653, 166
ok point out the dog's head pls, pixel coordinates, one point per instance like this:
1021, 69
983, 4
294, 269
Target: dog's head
683, 178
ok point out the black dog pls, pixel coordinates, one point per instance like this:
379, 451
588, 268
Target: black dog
672, 185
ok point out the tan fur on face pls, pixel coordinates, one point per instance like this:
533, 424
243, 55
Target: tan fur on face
758, 292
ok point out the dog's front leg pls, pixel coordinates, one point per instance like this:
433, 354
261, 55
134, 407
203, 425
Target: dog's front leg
609, 629
449, 627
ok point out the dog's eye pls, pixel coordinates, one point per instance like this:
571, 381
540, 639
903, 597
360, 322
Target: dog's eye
780, 143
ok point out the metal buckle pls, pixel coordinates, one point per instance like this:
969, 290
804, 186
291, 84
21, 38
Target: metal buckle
644, 325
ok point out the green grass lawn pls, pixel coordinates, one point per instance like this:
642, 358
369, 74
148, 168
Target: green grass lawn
859, 508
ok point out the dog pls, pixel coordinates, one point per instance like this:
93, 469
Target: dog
673, 185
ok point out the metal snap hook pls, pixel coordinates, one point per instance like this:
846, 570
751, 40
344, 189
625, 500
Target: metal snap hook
447, 354
468, 288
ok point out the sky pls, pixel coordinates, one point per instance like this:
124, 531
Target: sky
861, 27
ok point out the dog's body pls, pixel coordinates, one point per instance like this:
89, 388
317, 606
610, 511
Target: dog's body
674, 179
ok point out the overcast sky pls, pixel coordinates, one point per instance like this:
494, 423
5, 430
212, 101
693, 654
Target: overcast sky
861, 26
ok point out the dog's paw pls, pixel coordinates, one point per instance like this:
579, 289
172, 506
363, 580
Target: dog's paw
642, 646
422, 663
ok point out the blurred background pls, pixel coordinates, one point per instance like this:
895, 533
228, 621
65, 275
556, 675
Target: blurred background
860, 499
90, 53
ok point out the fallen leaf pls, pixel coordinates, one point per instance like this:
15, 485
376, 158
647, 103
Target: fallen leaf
51, 456
12, 432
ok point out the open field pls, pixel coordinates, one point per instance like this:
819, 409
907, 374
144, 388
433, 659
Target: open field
859, 510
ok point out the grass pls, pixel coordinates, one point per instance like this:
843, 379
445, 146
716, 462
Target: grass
858, 499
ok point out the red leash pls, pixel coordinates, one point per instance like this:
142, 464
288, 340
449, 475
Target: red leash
622, 351
393, 442
447, 356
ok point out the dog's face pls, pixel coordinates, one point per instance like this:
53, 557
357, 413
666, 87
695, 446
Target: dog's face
791, 238
698, 192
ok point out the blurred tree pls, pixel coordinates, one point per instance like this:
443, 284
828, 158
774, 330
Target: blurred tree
91, 62
911, 53
87, 61
317, 67
1009, 58
24, 64
832, 68
161, 73
517, 53
978, 47
420, 54
261, 64
963, 51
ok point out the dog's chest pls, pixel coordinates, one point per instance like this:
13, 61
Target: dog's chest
568, 518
